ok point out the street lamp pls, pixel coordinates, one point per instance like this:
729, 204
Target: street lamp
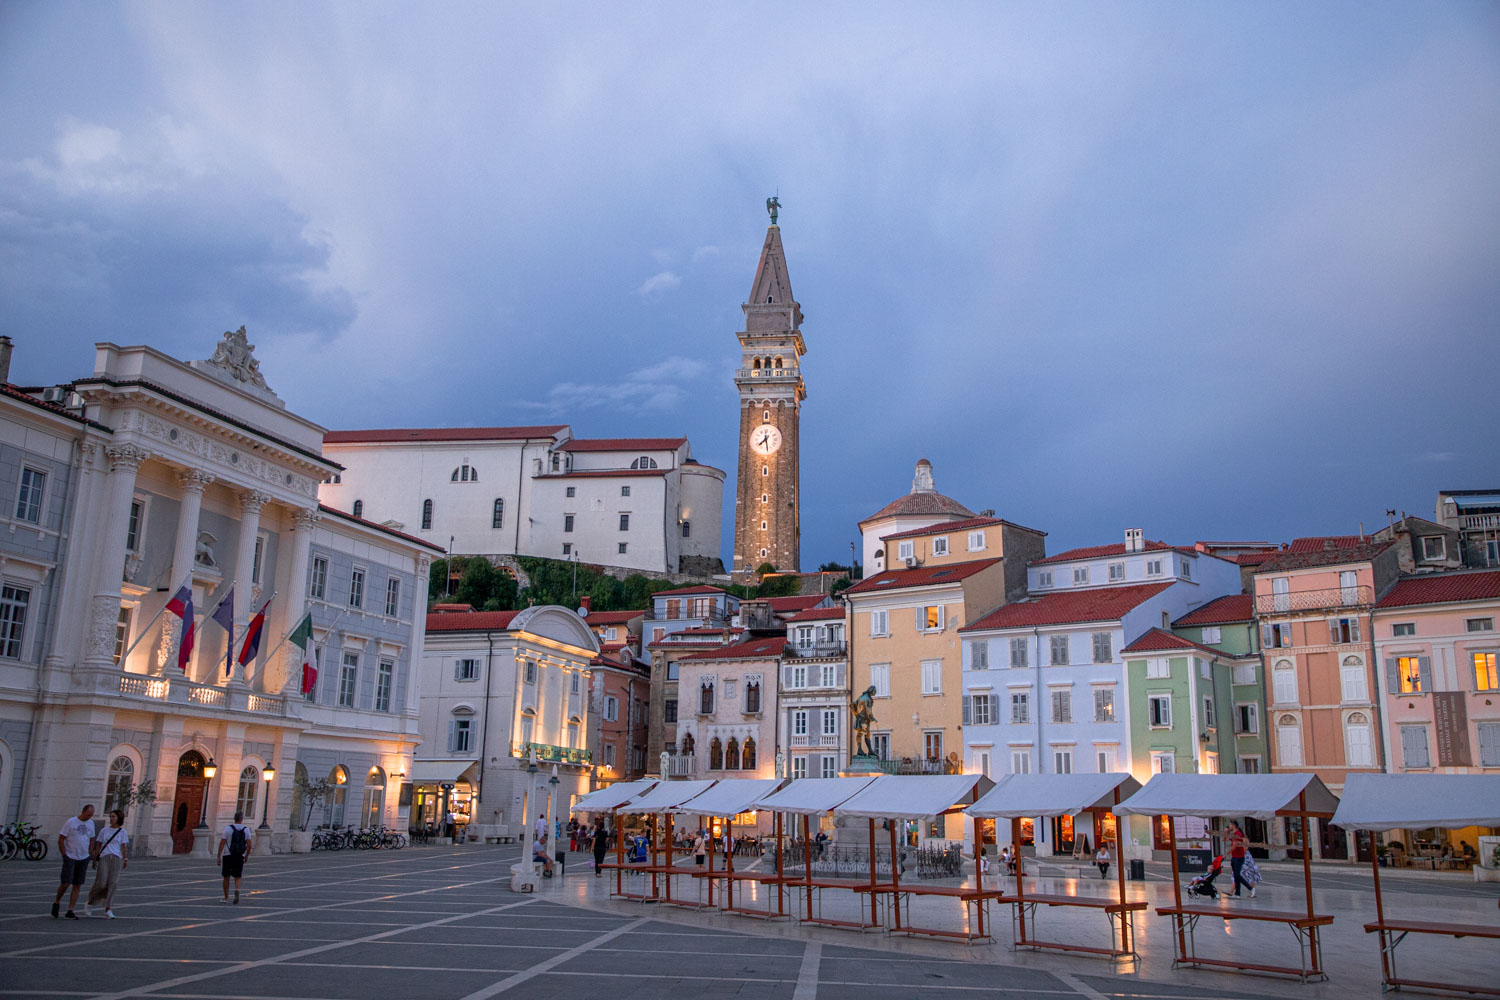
268, 773
529, 850
552, 820
209, 770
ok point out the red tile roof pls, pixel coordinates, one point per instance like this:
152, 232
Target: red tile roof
624, 444
921, 505
1317, 543
666, 642
1254, 558
943, 527
20, 395
381, 528
1155, 640
1333, 556
700, 631
1221, 611
473, 621
818, 615
612, 617
1068, 607
755, 649
782, 605
922, 576
1443, 588
399, 434
1105, 551
700, 589
451, 608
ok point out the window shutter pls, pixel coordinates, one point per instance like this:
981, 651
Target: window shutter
968, 711
1333, 631
1424, 669
1266, 640
942, 616
452, 735
1286, 633
921, 619
1353, 629
1392, 675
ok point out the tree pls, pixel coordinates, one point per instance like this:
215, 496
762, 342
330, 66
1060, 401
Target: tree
477, 582
313, 793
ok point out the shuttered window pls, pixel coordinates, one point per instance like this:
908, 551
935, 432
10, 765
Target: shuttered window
1290, 739
1489, 744
1414, 755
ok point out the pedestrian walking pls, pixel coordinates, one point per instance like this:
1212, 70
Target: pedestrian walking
111, 855
601, 845
1007, 861
1101, 858
700, 849
234, 847
449, 822
75, 842
1237, 852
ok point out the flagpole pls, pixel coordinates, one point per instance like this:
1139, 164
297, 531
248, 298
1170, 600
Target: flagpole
304, 614
147, 627
262, 611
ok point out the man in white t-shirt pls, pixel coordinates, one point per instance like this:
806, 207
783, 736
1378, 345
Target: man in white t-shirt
75, 842
234, 848
539, 850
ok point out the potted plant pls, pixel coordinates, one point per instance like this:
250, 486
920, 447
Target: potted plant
312, 793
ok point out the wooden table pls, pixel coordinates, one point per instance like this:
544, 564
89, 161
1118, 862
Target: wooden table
1393, 932
978, 899
815, 887
1303, 926
1119, 915
759, 878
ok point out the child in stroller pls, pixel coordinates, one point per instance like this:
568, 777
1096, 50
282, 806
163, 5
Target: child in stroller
1203, 885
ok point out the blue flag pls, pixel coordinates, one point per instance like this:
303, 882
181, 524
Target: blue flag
224, 615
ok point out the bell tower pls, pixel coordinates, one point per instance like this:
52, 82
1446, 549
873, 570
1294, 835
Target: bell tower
768, 504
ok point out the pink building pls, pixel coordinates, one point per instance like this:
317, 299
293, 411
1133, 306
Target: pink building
727, 719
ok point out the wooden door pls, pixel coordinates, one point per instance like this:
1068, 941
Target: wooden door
187, 809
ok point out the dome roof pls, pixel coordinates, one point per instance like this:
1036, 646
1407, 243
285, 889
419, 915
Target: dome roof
923, 501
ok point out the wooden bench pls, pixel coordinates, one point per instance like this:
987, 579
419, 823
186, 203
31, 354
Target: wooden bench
1393, 932
979, 898
1304, 927
1121, 938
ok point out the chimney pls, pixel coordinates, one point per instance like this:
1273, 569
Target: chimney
5, 349
587, 603
1135, 539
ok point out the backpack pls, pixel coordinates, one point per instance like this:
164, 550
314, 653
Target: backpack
237, 841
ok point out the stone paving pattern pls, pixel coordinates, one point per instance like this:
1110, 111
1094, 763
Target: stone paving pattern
440, 922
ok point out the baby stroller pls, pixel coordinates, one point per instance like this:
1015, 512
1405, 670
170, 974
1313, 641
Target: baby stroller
1203, 885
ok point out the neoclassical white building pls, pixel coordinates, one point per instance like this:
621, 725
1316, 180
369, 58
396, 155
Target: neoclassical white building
633, 503
153, 474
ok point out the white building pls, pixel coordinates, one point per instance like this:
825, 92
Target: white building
814, 695
498, 687
1044, 684
193, 474
632, 503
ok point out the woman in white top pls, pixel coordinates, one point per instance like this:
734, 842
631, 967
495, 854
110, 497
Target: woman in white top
112, 855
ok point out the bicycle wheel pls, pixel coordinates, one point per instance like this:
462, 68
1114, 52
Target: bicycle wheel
36, 849
7, 849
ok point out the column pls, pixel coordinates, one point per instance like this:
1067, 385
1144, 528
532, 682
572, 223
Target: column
104, 609
290, 683
184, 555
251, 502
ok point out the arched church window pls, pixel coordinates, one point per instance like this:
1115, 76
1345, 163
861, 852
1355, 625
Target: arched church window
755, 363
715, 755
732, 755
747, 755
778, 363
497, 517
644, 462
426, 513
359, 508
465, 473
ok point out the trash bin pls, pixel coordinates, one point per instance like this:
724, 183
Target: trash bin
1137, 870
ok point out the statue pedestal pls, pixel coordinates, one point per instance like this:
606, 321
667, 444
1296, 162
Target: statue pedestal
862, 766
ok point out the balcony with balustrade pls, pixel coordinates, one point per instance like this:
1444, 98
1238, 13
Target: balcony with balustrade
164, 690
818, 650
1322, 599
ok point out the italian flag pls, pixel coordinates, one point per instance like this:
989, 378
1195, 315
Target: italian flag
302, 637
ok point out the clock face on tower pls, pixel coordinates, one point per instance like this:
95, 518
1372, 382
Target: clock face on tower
765, 440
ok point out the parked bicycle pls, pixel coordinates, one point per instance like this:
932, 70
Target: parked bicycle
20, 839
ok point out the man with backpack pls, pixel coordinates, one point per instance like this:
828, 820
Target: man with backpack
238, 840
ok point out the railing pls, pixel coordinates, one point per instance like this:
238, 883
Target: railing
267, 706
211, 696
916, 765
546, 753
182, 691
713, 619
1314, 600
767, 372
1482, 521
681, 766
816, 741
144, 687
820, 649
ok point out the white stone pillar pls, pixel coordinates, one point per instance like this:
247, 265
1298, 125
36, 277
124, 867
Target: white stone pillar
104, 610
184, 554
290, 683
251, 501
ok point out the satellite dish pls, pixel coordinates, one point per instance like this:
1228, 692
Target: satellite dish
583, 612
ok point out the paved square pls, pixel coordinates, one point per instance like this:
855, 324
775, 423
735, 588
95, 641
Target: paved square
441, 923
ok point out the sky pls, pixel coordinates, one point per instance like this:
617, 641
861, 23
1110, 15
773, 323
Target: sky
1215, 270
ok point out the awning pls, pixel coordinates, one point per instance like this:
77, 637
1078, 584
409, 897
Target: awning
1033, 796
612, 797
910, 796
813, 796
1479, 500
665, 795
1419, 801
1257, 796
430, 772
730, 797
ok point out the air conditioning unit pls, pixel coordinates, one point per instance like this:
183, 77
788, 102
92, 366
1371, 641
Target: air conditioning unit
55, 394
911, 562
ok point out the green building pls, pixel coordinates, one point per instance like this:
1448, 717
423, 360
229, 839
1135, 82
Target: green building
1227, 624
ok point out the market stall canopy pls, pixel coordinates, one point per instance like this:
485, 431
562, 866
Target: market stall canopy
1257, 796
613, 796
1419, 801
730, 797
426, 772
911, 796
813, 796
1033, 796
667, 794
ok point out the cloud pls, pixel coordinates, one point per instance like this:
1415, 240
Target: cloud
662, 281
653, 389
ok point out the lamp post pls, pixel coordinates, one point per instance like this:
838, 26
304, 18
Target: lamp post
557, 849
268, 773
528, 852
209, 770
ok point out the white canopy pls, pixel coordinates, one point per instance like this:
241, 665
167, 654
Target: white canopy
812, 796
428, 772
665, 795
729, 797
1021, 796
1257, 796
909, 796
612, 796
1419, 801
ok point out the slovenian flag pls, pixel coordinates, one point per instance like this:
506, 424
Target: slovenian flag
302, 637
224, 615
252, 635
181, 605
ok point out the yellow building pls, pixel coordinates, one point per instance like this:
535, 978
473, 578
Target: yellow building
904, 642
